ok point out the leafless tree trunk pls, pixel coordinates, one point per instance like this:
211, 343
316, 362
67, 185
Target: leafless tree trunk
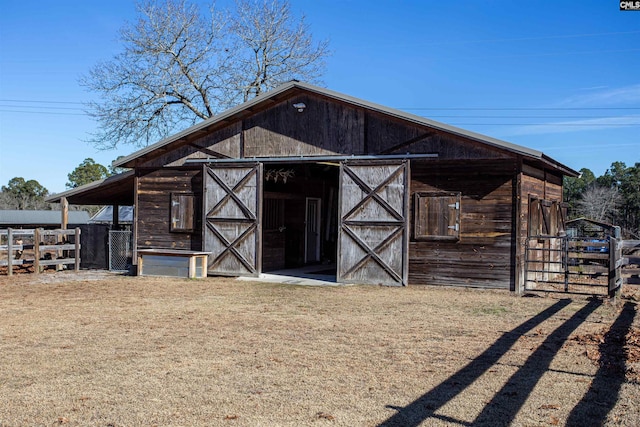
179, 67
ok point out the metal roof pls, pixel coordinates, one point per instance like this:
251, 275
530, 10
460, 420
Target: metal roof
294, 85
105, 215
116, 189
37, 218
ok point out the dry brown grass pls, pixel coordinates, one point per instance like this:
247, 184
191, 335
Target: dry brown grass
104, 350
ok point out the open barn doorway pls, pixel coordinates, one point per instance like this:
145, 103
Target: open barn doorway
300, 219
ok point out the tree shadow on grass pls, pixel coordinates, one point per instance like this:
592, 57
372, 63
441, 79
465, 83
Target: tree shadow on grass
603, 393
507, 402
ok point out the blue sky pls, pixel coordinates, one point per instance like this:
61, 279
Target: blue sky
560, 76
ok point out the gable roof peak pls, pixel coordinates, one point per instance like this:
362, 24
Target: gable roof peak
313, 89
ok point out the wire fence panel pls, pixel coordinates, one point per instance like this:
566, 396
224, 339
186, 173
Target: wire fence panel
120, 253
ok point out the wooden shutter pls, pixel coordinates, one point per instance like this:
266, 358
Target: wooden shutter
535, 217
547, 217
182, 212
232, 212
436, 216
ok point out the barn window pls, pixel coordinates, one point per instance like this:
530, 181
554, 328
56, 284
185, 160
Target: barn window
546, 218
437, 216
182, 212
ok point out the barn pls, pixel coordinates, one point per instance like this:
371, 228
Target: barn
303, 175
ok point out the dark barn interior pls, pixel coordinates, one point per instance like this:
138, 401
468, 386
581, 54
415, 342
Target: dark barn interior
300, 214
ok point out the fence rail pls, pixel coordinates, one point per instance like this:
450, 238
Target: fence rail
39, 248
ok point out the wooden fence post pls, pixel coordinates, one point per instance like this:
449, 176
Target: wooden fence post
36, 250
9, 251
614, 269
565, 262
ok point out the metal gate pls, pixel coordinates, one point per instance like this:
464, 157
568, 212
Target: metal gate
120, 254
578, 265
373, 216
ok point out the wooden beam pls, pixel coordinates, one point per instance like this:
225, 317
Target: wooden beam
408, 142
64, 208
77, 250
115, 217
36, 250
208, 151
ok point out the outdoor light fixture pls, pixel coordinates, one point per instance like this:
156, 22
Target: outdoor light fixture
300, 106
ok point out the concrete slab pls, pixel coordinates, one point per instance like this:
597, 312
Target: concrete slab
304, 276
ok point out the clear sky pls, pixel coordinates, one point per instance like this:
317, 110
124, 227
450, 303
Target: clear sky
558, 76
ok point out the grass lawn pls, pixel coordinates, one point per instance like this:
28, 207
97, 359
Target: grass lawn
95, 349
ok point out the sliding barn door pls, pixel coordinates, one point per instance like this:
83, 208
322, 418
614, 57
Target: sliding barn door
232, 212
373, 223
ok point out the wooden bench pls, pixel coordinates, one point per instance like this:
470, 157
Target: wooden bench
172, 263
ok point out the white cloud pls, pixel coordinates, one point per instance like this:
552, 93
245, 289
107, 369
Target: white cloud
604, 98
619, 122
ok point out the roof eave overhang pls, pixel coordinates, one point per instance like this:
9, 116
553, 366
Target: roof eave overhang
114, 190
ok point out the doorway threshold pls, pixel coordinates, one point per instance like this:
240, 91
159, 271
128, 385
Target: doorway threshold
310, 275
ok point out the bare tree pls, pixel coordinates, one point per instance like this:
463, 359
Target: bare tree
599, 203
180, 66
274, 50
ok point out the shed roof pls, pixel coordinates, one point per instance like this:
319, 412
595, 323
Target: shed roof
39, 218
293, 87
114, 190
601, 224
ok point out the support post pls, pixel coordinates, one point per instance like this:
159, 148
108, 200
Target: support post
36, 250
64, 208
115, 217
77, 250
192, 267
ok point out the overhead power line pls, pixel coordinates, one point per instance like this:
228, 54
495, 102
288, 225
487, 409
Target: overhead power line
40, 101
43, 112
502, 114
547, 124
517, 108
41, 106
552, 37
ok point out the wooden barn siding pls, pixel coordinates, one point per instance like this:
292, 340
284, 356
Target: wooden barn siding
225, 141
483, 256
323, 128
388, 135
154, 204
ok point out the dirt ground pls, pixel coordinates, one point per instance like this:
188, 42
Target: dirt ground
96, 349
